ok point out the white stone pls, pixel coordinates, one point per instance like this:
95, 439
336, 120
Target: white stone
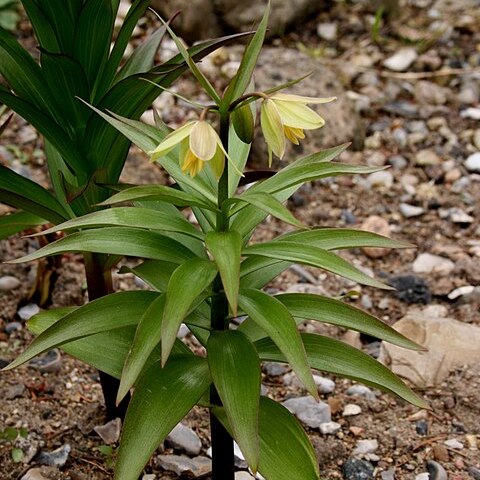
329, 428
409, 211
243, 476
472, 163
457, 215
8, 283
380, 179
460, 291
449, 344
327, 31
183, 331
364, 447
110, 432
309, 411
28, 311
473, 113
361, 390
422, 476
401, 60
149, 476
197, 466
324, 385
351, 410
454, 443
428, 263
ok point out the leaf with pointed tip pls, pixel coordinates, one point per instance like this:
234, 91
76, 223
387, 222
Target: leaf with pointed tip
226, 248
235, 369
329, 355
268, 203
130, 217
18, 222
186, 283
273, 317
156, 273
162, 397
297, 252
112, 311
277, 426
160, 193
127, 241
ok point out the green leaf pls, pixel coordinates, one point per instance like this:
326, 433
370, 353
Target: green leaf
226, 248
329, 355
18, 222
17, 454
130, 217
242, 78
43, 29
305, 306
20, 192
156, 273
162, 397
105, 351
143, 56
337, 238
93, 33
160, 193
243, 123
239, 152
112, 311
116, 241
276, 427
268, 203
187, 282
235, 369
273, 317
297, 252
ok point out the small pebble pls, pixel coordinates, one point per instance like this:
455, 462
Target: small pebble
364, 447
243, 476
427, 157
428, 263
351, 410
8, 283
50, 362
149, 476
356, 469
457, 215
422, 476
409, 211
474, 473
28, 311
421, 427
329, 428
274, 369
473, 113
411, 289
379, 225
380, 179
471, 441
34, 474
436, 471
184, 438
11, 327
324, 385
460, 291
362, 391
401, 60
388, 474
197, 466
309, 411
454, 443
56, 458
440, 453
110, 432
327, 31
14, 391
183, 331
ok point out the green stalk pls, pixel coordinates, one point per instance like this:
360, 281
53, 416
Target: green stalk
99, 284
223, 460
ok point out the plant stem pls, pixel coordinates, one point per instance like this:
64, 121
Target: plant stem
99, 284
223, 460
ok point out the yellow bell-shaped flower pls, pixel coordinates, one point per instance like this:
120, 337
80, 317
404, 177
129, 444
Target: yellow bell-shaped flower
284, 116
199, 144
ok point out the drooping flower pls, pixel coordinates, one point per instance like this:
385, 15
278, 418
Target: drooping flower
199, 144
285, 116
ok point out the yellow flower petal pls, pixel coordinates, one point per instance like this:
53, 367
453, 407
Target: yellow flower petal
203, 140
272, 127
192, 164
171, 141
297, 115
286, 97
293, 134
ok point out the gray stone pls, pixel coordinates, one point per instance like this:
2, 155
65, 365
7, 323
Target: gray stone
474, 473
243, 476
430, 93
421, 427
184, 438
57, 458
329, 428
309, 411
14, 391
275, 369
365, 447
356, 469
388, 474
472, 163
49, 362
197, 466
428, 263
449, 343
343, 124
110, 432
409, 211
454, 443
401, 60
8, 282
351, 409
380, 179
327, 31
219, 17
397, 161
28, 311
39, 473
436, 471
361, 390
422, 476
324, 385
11, 327
457, 215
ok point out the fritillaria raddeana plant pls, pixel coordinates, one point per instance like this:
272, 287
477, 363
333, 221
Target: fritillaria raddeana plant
212, 277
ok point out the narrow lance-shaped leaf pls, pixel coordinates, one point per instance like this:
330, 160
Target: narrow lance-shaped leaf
269, 204
163, 396
273, 317
18, 222
276, 427
130, 217
330, 355
226, 248
187, 282
297, 252
133, 242
112, 311
235, 369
